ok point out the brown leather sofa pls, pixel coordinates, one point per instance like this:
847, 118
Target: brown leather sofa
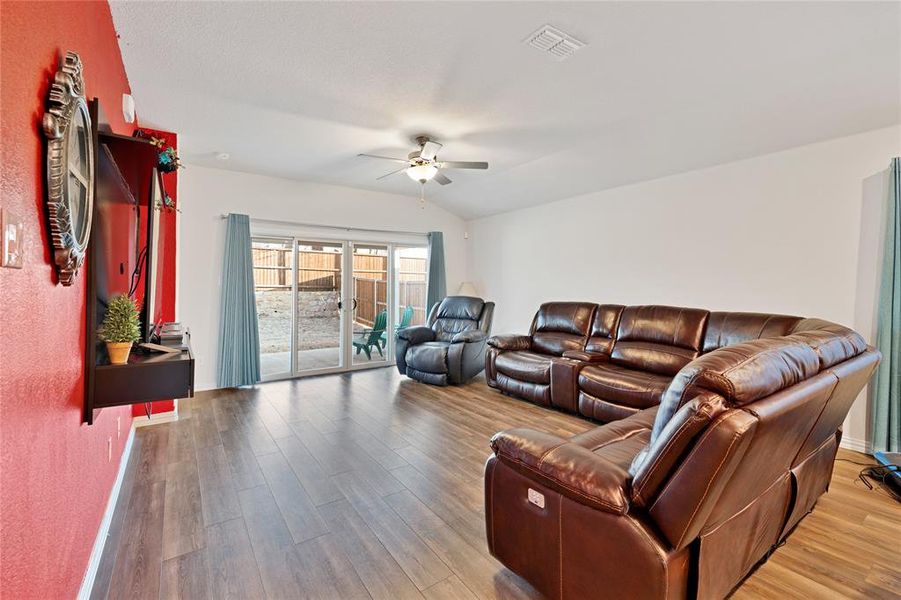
721, 435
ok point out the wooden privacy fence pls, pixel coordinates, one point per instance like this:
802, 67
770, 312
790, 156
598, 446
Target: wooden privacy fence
320, 271
371, 299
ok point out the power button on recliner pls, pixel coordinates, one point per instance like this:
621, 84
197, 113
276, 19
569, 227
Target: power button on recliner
536, 498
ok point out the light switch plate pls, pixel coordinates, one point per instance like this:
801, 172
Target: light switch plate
12, 240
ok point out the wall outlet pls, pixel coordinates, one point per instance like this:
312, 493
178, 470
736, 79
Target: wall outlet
109, 449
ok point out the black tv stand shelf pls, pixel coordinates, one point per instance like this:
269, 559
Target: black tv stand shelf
146, 377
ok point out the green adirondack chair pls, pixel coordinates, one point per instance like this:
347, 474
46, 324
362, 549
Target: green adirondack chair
368, 338
405, 319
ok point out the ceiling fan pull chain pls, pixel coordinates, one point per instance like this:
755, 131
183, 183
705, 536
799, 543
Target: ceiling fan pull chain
422, 195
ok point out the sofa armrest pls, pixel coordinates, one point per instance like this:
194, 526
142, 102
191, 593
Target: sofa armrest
417, 335
510, 342
572, 470
584, 356
473, 335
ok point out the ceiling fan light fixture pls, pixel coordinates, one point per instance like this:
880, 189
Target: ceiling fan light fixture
422, 173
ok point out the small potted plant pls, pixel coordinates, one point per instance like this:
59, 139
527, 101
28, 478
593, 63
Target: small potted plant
120, 329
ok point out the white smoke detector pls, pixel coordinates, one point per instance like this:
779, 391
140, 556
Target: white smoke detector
128, 108
553, 42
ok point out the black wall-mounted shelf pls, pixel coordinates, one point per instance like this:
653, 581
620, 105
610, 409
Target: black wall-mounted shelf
146, 377
124, 182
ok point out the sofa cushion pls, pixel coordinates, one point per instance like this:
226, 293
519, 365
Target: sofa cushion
620, 441
561, 326
832, 343
603, 328
601, 410
525, 366
741, 374
539, 393
659, 339
618, 430
619, 385
429, 357
728, 328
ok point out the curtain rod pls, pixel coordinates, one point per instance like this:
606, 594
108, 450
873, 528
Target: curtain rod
335, 227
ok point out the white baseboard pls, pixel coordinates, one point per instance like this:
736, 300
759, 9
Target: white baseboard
857, 445
87, 584
156, 418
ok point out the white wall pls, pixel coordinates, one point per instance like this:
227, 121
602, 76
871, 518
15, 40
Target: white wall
205, 194
777, 233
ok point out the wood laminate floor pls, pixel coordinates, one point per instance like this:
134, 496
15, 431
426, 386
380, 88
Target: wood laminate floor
370, 485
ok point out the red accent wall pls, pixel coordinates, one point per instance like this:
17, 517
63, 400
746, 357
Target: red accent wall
55, 477
167, 250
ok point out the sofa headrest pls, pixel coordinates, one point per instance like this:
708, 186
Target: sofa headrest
741, 374
667, 325
832, 343
565, 317
727, 328
745, 372
461, 307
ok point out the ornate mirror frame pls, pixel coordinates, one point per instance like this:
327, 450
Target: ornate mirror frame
70, 168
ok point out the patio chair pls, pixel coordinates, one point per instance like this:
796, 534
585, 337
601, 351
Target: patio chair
405, 319
368, 338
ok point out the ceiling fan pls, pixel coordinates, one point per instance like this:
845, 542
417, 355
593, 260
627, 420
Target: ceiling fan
423, 165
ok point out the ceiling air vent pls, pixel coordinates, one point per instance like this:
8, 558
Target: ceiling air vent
554, 42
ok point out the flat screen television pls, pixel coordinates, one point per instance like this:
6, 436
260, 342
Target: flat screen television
129, 240
153, 300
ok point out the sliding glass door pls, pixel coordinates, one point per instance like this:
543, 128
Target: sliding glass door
370, 303
327, 306
318, 315
411, 279
273, 278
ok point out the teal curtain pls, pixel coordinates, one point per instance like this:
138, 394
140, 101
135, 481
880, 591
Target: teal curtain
437, 289
239, 335
886, 413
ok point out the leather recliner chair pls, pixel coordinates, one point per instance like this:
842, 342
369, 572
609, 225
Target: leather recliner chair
451, 348
683, 498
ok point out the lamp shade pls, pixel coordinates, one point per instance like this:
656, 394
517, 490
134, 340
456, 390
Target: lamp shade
467, 288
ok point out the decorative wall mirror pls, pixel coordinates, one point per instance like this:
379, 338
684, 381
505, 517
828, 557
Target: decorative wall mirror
70, 168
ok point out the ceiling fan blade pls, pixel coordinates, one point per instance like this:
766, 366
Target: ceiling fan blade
403, 160
430, 150
441, 178
462, 164
392, 173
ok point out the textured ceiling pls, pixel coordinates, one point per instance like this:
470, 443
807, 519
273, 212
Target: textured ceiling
298, 89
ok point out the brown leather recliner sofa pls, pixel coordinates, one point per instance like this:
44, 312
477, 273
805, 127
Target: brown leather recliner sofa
721, 433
